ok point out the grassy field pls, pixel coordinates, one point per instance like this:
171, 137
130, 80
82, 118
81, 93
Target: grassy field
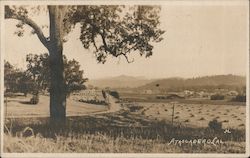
137, 97
133, 127
98, 143
118, 132
18, 106
197, 115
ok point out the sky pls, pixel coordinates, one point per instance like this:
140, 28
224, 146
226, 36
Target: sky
200, 40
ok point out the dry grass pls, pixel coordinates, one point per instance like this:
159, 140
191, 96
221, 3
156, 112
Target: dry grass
18, 107
198, 114
138, 128
119, 132
99, 143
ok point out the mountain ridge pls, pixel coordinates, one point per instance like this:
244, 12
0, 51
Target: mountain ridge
141, 82
206, 82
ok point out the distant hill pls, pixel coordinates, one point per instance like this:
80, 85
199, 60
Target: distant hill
122, 81
207, 82
172, 84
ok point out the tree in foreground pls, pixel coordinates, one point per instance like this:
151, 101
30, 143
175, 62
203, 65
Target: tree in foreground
110, 30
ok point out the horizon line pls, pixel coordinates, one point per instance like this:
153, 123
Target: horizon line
157, 78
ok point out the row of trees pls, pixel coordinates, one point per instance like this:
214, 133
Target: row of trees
36, 78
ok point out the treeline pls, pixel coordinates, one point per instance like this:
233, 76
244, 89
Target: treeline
36, 77
207, 83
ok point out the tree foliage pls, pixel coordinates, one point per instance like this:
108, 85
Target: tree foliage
73, 76
112, 34
16, 81
114, 30
38, 68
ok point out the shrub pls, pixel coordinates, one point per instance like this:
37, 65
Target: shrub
135, 108
217, 97
114, 94
215, 125
239, 98
93, 101
34, 99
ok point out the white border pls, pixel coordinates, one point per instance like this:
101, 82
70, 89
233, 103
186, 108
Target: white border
122, 155
2, 47
248, 88
127, 2
120, 2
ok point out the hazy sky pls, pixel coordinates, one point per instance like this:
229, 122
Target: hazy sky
199, 40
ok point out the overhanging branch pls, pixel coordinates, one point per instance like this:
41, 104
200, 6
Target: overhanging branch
126, 57
114, 53
33, 25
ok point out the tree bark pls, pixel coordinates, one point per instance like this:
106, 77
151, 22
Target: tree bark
58, 88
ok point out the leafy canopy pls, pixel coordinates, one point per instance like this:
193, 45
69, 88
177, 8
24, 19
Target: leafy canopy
16, 80
37, 75
38, 68
106, 29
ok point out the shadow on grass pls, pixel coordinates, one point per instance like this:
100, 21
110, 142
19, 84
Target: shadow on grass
27, 103
117, 125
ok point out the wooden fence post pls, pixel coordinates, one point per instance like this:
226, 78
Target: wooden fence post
173, 115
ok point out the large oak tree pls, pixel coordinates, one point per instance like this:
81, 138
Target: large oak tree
109, 30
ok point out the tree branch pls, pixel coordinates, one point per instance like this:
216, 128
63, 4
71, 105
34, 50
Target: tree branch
114, 53
33, 25
126, 57
94, 43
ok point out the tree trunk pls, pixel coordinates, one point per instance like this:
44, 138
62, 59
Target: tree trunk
57, 88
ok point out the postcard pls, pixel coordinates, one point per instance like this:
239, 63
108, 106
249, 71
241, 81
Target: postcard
124, 78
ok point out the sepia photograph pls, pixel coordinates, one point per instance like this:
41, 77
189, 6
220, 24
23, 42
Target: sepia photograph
91, 78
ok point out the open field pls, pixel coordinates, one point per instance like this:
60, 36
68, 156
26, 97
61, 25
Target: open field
120, 131
136, 97
19, 106
124, 127
197, 115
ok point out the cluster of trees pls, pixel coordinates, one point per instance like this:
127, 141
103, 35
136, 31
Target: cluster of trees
16, 80
36, 78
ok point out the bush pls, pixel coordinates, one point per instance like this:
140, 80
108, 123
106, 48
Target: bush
34, 99
217, 97
239, 98
114, 94
93, 101
215, 125
135, 108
